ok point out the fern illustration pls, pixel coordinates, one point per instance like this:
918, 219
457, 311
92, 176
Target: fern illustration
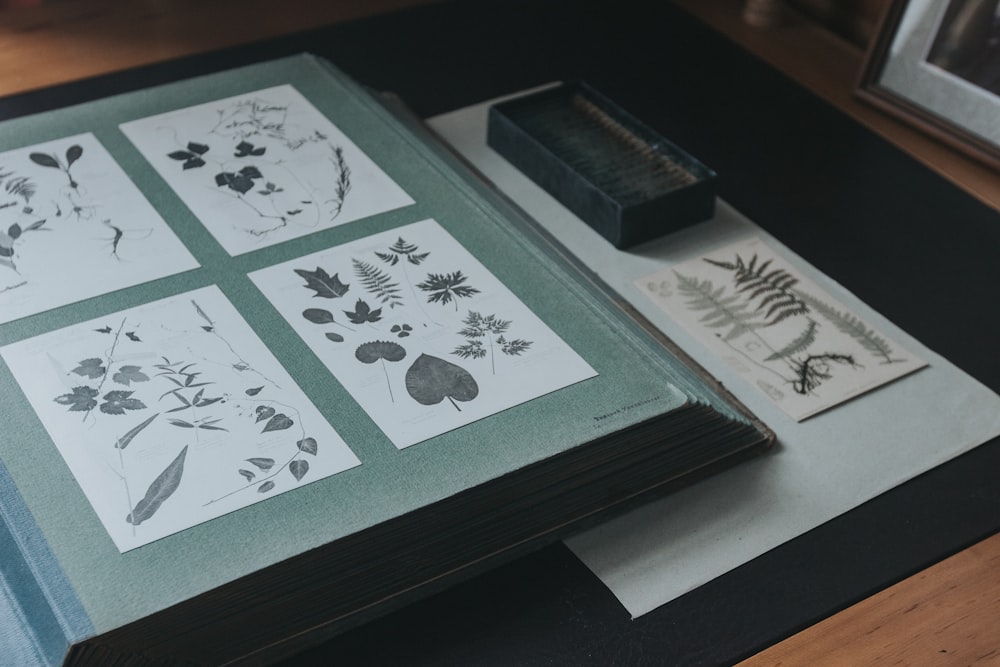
772, 287
724, 311
401, 249
800, 344
378, 282
343, 183
853, 327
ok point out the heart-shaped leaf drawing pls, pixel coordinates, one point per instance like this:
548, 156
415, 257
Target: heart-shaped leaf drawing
430, 380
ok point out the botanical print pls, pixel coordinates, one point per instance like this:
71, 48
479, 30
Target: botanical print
67, 204
796, 343
420, 333
173, 413
264, 167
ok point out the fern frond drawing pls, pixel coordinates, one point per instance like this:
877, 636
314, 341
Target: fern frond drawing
773, 287
401, 249
378, 283
724, 311
800, 344
853, 327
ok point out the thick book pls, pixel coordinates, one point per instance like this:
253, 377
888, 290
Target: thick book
274, 362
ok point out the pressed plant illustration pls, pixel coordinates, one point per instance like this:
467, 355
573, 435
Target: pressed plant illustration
797, 339
211, 422
378, 283
492, 330
430, 380
444, 288
381, 351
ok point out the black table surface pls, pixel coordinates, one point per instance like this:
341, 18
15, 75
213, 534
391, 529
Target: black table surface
906, 241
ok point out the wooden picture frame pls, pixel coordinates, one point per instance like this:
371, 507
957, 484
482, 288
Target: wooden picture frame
936, 65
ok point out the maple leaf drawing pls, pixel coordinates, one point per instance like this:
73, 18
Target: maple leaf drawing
325, 285
363, 313
117, 402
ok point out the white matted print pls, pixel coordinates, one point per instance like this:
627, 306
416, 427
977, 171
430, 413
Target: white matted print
264, 167
67, 204
786, 335
420, 333
173, 413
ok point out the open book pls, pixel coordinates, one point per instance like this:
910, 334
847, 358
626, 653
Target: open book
274, 361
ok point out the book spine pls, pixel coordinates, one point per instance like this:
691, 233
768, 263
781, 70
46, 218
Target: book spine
40, 614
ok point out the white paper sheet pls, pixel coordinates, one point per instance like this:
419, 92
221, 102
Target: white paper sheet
173, 413
262, 168
821, 468
66, 203
420, 333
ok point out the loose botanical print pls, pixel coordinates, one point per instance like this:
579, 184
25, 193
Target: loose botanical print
264, 167
66, 204
785, 334
423, 336
173, 413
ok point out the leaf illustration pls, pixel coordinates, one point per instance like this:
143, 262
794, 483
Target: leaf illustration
513, 347
81, 399
318, 315
129, 374
73, 153
131, 335
45, 160
124, 441
249, 476
377, 282
363, 313
181, 423
117, 402
369, 353
265, 487
307, 445
264, 412
298, 468
103, 330
771, 286
335, 337
241, 182
724, 311
801, 343
325, 286
278, 422
446, 287
431, 379
853, 327
246, 149
253, 391
263, 464
161, 489
91, 368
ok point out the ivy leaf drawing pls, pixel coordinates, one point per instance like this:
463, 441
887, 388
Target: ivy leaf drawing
117, 402
446, 287
278, 422
264, 412
363, 313
430, 380
190, 157
246, 149
298, 468
325, 285
161, 489
307, 445
91, 368
129, 374
263, 464
81, 399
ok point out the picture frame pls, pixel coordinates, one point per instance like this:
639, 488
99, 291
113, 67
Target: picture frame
935, 64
